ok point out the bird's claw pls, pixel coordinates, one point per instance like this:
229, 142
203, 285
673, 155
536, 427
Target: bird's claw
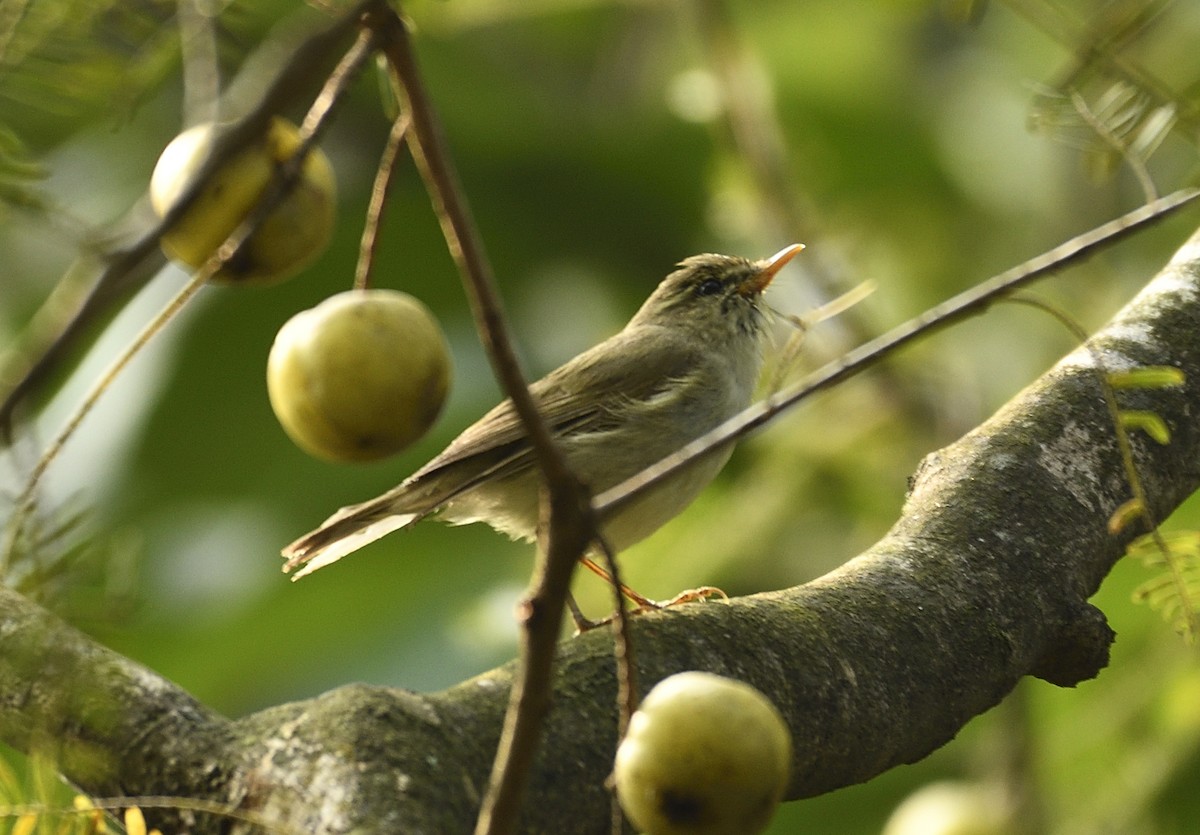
686, 596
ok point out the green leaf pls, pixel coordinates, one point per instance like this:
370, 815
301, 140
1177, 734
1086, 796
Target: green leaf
1123, 515
1147, 377
1175, 591
1148, 422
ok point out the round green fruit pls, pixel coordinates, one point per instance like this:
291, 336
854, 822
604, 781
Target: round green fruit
952, 808
360, 376
290, 236
704, 755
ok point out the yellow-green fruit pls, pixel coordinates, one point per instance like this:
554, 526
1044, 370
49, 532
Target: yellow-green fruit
704, 755
291, 235
360, 376
952, 808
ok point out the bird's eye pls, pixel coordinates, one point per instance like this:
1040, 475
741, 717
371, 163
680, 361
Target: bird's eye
709, 287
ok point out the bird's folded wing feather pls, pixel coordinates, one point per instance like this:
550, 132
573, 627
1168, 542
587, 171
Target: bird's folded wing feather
590, 391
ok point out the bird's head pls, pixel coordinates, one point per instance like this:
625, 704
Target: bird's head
714, 294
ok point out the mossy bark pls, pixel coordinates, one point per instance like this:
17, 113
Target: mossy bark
984, 579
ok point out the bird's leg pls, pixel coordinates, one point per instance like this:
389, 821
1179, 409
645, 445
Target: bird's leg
642, 602
645, 604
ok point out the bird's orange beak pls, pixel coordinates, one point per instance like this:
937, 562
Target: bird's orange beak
756, 282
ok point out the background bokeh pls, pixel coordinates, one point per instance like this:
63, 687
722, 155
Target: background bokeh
920, 146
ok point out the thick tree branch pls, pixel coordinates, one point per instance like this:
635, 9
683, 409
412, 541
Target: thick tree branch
984, 579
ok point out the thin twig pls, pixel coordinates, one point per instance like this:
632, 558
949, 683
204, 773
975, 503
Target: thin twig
627, 689
454, 216
567, 521
27, 499
965, 304
803, 324
379, 191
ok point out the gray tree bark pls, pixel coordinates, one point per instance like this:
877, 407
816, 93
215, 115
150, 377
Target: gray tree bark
984, 579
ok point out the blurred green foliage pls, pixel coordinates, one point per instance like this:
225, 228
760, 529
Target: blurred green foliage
924, 146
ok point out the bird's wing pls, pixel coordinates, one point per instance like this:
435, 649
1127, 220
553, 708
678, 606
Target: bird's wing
590, 391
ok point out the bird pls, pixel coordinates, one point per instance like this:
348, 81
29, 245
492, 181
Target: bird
687, 361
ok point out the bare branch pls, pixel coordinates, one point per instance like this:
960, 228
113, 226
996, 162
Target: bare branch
379, 191
567, 525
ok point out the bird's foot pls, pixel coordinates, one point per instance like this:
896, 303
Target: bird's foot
686, 596
644, 604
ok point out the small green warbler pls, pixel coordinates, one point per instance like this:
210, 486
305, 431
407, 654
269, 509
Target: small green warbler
687, 361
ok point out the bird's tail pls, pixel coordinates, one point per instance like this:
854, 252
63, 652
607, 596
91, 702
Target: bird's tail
344, 533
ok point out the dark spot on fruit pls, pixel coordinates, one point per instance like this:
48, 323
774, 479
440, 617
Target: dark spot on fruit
682, 808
